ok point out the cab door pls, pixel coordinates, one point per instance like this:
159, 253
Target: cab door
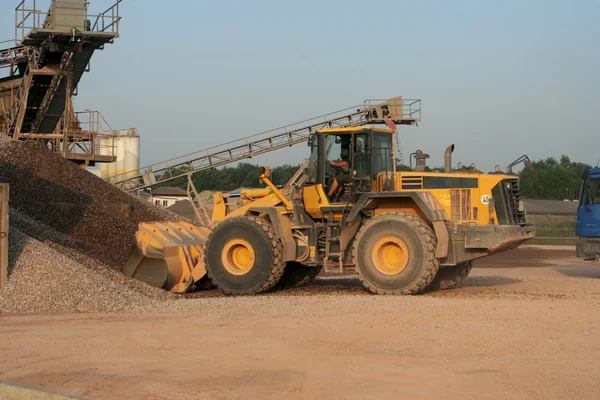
313, 194
588, 213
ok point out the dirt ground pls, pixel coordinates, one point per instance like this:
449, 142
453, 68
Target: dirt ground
524, 325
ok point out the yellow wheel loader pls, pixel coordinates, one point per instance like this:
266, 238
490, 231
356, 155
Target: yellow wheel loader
401, 232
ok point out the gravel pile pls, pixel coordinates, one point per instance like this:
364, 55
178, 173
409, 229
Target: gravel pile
44, 280
100, 219
70, 233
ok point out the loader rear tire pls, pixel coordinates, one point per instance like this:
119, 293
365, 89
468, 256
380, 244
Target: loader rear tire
449, 277
244, 256
296, 274
394, 253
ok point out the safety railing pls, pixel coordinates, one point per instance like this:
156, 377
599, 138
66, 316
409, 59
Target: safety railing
28, 18
91, 146
100, 135
93, 121
14, 55
88, 137
410, 109
109, 19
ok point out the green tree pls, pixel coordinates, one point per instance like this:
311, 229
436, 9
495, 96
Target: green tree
551, 179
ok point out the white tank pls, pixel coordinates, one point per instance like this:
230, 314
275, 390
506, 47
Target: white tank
106, 149
132, 153
125, 146
120, 148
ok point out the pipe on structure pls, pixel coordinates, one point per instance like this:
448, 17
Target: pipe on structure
448, 158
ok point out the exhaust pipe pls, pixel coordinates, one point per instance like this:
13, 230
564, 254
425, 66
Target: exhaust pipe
448, 158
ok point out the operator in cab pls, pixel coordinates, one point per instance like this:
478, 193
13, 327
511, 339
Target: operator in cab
341, 177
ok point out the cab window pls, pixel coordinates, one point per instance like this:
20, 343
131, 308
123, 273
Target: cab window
337, 148
362, 158
593, 191
383, 157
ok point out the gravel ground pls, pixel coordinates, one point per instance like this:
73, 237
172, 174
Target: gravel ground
523, 332
70, 233
45, 280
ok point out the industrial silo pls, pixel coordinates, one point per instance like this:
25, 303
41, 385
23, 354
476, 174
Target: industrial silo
131, 143
107, 149
125, 146
120, 143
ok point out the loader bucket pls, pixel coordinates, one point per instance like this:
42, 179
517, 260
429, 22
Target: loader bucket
168, 255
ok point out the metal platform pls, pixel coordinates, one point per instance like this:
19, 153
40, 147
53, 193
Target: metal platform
64, 20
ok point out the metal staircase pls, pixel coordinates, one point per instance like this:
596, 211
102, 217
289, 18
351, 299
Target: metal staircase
396, 110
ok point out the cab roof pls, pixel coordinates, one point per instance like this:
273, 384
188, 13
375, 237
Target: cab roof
350, 129
592, 171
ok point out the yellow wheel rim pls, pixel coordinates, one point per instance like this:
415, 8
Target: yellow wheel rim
390, 255
238, 257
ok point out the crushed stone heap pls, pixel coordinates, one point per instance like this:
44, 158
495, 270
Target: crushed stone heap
70, 234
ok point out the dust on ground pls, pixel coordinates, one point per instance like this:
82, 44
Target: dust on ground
524, 325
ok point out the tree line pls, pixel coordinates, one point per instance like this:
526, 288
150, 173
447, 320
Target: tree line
550, 179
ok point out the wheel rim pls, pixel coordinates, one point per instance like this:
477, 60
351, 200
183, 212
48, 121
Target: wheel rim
238, 257
390, 255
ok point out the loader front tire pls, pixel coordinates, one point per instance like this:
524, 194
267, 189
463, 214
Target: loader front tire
244, 256
394, 253
449, 277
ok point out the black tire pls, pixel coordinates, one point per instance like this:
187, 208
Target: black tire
296, 274
420, 242
268, 264
449, 277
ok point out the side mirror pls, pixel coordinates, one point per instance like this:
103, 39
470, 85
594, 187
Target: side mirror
492, 205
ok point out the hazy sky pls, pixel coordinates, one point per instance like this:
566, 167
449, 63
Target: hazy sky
497, 78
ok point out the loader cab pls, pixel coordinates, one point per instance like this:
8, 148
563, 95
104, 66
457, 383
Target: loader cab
367, 151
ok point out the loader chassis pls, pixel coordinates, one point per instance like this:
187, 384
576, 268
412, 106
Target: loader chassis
396, 230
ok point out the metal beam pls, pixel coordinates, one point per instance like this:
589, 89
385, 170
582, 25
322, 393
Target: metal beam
398, 110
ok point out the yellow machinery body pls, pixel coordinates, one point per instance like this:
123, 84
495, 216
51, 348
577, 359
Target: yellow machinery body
469, 214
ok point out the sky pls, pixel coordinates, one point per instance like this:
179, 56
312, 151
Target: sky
496, 78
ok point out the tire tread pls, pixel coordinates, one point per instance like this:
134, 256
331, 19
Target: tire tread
277, 266
429, 240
